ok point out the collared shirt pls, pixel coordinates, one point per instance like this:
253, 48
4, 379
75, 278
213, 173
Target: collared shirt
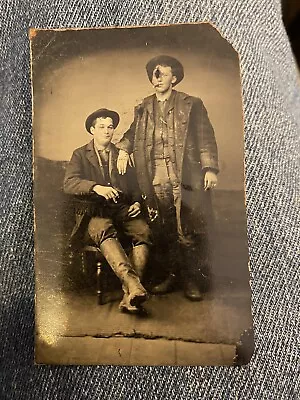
166, 97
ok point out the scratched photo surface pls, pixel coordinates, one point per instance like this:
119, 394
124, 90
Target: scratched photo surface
141, 253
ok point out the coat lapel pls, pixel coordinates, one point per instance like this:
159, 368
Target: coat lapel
148, 133
149, 106
182, 110
93, 159
91, 155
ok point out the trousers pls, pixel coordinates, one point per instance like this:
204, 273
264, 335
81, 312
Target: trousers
116, 222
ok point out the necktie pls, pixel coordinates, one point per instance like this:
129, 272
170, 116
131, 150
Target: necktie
104, 155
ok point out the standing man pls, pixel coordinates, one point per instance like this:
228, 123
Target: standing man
176, 159
109, 204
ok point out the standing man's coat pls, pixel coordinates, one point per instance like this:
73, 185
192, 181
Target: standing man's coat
193, 147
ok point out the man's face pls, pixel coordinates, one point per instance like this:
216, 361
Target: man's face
103, 131
162, 79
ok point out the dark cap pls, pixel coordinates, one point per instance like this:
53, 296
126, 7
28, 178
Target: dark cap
167, 61
102, 113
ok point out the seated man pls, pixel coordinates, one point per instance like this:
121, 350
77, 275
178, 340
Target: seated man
107, 201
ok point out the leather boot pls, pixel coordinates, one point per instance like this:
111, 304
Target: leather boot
165, 286
169, 263
134, 293
192, 291
126, 306
139, 258
191, 274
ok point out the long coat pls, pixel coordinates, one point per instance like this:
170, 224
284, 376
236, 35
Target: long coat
82, 174
192, 140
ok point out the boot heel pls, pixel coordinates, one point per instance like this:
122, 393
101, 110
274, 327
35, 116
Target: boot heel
126, 307
138, 299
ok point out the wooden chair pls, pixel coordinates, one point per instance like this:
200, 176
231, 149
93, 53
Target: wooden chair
100, 263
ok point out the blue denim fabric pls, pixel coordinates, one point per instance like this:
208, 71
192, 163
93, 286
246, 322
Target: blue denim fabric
271, 97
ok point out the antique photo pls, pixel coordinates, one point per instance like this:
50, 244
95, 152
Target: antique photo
141, 253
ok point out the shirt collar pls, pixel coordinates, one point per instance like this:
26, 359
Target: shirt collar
107, 149
165, 98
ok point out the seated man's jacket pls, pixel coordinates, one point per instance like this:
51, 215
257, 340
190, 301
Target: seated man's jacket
82, 174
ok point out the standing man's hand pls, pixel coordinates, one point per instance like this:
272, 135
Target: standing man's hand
122, 162
210, 180
134, 209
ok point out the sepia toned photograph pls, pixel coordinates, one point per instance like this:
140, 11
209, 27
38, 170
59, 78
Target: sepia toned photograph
141, 254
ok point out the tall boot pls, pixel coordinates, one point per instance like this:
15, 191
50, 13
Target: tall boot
169, 260
166, 286
192, 274
139, 257
134, 293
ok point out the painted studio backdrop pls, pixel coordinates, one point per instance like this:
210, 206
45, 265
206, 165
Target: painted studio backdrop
78, 72
75, 72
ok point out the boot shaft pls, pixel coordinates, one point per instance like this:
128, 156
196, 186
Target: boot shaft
139, 258
121, 265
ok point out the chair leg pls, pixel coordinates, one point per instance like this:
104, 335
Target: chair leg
99, 284
83, 262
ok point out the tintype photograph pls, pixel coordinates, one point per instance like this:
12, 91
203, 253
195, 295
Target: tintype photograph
141, 253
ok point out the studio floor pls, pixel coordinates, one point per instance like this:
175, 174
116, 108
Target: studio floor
73, 329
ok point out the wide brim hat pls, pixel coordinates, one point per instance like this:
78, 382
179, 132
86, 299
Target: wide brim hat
168, 61
102, 113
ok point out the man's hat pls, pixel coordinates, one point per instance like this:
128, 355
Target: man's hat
167, 61
102, 113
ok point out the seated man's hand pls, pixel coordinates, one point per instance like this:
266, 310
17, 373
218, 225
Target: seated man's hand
122, 162
210, 180
134, 209
108, 192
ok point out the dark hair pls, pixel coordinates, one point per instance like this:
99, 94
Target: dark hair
102, 113
94, 122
